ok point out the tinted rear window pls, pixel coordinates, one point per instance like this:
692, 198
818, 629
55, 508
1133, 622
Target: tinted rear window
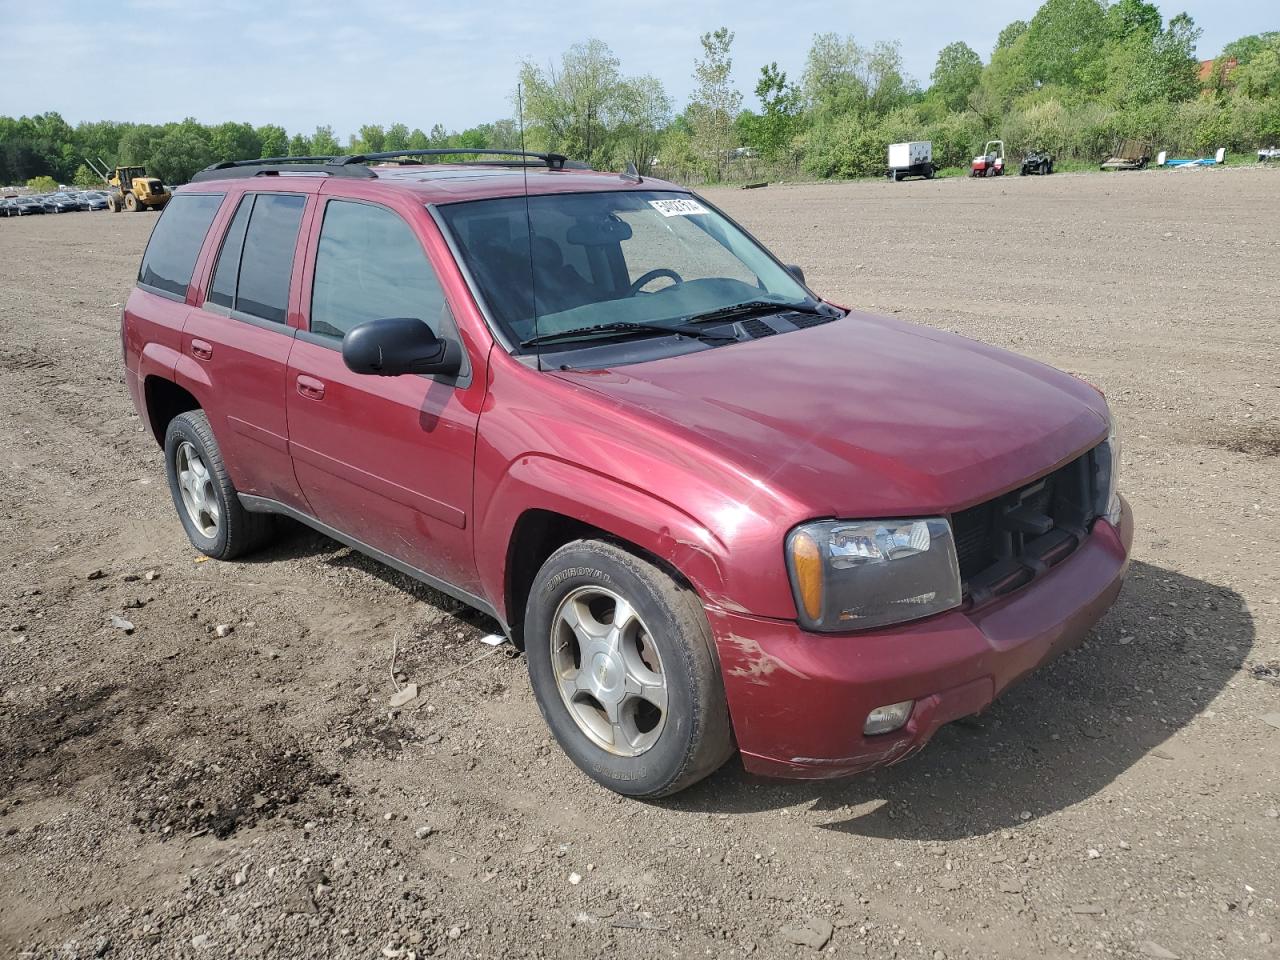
267, 261
256, 261
175, 243
223, 291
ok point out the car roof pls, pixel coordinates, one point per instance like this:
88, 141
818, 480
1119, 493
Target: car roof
456, 182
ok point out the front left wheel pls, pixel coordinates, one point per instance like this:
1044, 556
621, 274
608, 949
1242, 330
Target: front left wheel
622, 664
210, 510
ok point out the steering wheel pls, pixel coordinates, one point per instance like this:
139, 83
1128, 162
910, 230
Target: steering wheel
654, 275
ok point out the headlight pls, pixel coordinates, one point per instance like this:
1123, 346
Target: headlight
855, 574
1106, 462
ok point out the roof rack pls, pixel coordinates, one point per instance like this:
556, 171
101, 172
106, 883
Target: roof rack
356, 165
555, 161
274, 166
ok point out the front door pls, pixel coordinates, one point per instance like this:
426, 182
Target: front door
384, 460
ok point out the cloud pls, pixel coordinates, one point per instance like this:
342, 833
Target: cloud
301, 64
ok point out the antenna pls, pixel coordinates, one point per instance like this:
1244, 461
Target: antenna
528, 221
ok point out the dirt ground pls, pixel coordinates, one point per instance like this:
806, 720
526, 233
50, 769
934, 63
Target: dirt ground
176, 793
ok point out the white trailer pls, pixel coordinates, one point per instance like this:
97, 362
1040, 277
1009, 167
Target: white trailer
914, 159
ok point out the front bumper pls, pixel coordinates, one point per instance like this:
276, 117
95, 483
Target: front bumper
798, 700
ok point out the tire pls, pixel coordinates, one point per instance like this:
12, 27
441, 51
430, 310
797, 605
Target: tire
231, 530
648, 751
131, 203
929, 171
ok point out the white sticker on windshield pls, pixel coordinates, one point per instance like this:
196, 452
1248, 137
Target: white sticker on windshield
677, 208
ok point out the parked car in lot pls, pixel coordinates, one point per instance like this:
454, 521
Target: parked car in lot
715, 510
47, 203
95, 200
65, 203
26, 206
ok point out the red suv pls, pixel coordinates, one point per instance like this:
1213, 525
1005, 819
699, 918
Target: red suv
716, 511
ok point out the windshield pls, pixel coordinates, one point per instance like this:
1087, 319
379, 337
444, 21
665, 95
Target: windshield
610, 258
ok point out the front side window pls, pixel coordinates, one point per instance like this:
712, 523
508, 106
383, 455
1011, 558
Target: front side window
176, 241
578, 261
256, 261
369, 266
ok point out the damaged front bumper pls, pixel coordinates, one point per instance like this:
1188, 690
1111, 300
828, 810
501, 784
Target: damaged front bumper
798, 700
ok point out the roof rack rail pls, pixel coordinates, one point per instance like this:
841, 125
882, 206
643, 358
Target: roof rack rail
356, 165
555, 161
274, 166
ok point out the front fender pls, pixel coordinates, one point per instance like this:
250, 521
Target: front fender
540, 482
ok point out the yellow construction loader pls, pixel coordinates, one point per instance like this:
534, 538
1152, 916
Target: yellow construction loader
131, 189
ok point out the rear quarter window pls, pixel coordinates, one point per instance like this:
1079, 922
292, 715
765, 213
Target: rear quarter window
175, 242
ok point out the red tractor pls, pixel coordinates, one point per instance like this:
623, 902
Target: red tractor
991, 161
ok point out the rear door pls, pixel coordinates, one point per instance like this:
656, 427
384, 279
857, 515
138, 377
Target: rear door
385, 460
241, 336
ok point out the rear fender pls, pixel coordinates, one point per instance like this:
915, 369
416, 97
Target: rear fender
194, 378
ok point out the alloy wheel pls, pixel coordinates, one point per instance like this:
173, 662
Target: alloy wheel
198, 493
608, 671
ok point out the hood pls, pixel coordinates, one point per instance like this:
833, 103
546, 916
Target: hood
867, 415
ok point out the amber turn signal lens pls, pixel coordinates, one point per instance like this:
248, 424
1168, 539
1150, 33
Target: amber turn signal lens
806, 560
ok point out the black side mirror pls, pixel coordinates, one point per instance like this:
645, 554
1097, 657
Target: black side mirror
396, 345
795, 272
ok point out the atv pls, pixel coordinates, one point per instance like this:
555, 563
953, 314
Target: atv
1037, 162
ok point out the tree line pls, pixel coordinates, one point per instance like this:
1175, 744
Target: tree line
1076, 78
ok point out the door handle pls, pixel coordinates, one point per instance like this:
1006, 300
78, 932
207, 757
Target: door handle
310, 387
201, 350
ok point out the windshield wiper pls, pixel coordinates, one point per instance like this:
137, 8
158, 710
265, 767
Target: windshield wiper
624, 327
752, 307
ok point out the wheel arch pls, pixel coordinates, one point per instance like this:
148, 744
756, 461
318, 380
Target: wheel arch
537, 534
165, 400
542, 503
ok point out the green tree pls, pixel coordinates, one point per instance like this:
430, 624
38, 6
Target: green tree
570, 107
1011, 35
99, 140
1259, 78
397, 137
274, 141
42, 184
715, 103
418, 140
86, 178
1245, 49
299, 146
235, 141
182, 151
139, 143
372, 139
1128, 17
781, 105
957, 73
642, 110
1065, 41
324, 143
833, 76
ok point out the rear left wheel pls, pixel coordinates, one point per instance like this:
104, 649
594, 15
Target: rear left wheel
621, 663
216, 523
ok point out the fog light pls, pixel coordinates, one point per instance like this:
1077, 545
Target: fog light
888, 718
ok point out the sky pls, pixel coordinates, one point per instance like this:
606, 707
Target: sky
300, 63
